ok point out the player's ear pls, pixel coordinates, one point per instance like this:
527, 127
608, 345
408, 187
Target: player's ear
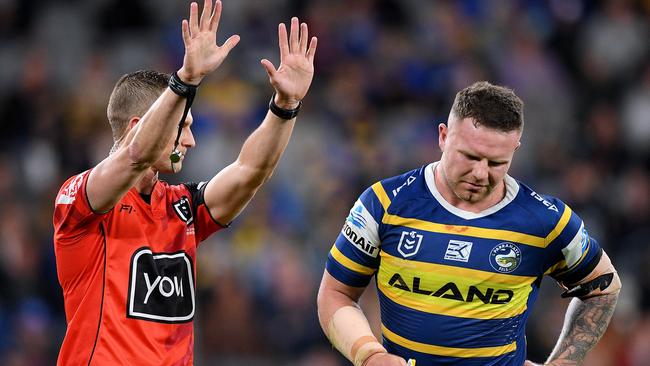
442, 135
133, 121
518, 145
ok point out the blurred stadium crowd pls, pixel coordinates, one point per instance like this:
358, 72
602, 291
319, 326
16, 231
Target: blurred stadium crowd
386, 75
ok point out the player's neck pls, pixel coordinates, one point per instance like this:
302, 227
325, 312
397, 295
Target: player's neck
147, 182
497, 194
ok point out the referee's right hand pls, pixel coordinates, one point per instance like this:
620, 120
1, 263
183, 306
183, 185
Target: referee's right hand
202, 54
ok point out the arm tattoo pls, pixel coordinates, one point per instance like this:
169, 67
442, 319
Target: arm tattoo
584, 324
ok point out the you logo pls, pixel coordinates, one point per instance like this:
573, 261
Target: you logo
161, 287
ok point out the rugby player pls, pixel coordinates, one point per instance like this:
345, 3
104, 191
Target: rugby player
126, 241
458, 249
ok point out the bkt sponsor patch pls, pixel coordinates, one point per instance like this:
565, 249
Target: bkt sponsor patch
161, 287
458, 250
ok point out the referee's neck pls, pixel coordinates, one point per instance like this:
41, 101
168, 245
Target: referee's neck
147, 181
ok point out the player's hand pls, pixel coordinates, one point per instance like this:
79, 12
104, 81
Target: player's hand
384, 359
292, 79
202, 54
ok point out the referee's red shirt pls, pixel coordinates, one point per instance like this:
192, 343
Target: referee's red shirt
128, 276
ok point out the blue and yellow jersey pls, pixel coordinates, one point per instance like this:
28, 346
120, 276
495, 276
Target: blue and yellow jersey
455, 287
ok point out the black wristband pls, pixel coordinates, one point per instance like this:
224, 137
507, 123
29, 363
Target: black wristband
281, 112
181, 88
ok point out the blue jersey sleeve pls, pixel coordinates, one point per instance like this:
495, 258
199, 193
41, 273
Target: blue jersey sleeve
354, 257
573, 253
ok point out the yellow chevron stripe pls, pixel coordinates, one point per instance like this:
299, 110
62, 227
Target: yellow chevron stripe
381, 195
349, 263
476, 232
434, 276
557, 230
447, 351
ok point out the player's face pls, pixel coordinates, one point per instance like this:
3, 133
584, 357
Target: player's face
475, 159
185, 142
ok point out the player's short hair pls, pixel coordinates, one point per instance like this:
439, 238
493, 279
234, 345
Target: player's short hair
132, 95
492, 106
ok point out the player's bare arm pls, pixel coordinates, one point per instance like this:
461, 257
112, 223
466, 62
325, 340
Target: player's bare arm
233, 187
586, 320
149, 136
346, 326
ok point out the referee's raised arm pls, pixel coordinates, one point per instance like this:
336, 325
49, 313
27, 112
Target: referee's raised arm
147, 137
232, 188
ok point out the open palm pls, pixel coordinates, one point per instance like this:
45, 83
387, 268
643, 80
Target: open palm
292, 79
202, 54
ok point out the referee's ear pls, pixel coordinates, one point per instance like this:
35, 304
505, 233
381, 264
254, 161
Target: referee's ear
442, 135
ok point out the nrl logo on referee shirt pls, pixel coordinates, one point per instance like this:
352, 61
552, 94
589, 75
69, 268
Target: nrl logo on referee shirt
183, 210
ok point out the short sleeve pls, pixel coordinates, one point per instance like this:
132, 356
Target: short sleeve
72, 212
354, 257
204, 224
573, 254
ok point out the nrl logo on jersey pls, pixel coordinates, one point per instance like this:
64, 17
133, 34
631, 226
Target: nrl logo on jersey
184, 210
409, 243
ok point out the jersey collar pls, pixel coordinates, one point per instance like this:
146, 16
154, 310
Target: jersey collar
512, 188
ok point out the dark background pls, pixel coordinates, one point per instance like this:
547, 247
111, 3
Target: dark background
386, 75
